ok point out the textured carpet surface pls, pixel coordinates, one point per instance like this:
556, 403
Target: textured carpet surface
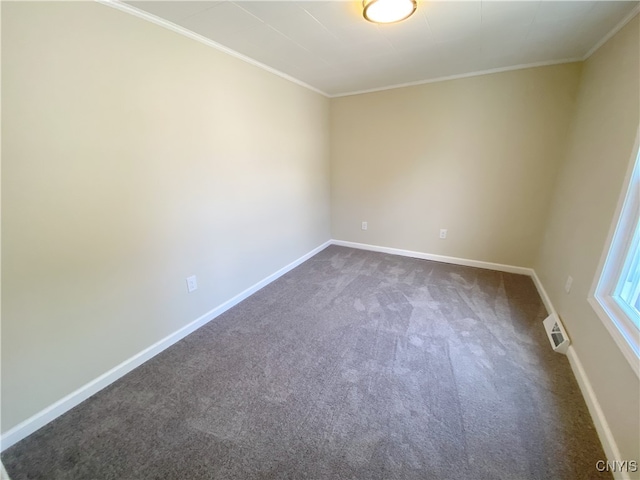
355, 365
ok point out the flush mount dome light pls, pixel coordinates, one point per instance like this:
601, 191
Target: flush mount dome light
388, 11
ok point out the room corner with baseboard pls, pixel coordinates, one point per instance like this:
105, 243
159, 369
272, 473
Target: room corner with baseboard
267, 281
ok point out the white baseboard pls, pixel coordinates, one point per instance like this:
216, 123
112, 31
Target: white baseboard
597, 415
65, 404
436, 258
546, 300
45, 416
3, 473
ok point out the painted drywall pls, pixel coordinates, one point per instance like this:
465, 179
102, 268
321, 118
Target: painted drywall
477, 156
589, 184
132, 158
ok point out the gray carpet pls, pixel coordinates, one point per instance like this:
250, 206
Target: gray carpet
355, 365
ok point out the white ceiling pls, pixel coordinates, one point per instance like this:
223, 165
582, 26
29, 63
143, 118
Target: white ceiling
330, 47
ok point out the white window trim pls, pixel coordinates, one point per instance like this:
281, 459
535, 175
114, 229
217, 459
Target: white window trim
616, 321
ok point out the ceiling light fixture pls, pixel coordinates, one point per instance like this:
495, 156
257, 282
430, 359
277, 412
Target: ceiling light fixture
388, 11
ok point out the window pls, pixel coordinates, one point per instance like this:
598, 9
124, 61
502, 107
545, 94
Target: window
616, 292
627, 292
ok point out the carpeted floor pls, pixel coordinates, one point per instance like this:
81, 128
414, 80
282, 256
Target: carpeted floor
355, 365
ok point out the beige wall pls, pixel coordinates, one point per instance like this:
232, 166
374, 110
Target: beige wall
133, 157
589, 185
477, 156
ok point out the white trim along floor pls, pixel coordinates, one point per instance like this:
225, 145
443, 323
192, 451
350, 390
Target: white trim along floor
63, 405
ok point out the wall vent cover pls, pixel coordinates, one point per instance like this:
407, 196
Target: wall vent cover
556, 333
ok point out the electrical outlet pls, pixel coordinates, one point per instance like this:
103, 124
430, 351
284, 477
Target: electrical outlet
443, 233
567, 286
364, 225
192, 283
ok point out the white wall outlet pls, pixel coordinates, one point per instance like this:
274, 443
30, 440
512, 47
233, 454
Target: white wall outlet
443, 233
567, 286
364, 225
192, 283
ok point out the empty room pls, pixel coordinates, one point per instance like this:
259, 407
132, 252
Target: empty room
379, 239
